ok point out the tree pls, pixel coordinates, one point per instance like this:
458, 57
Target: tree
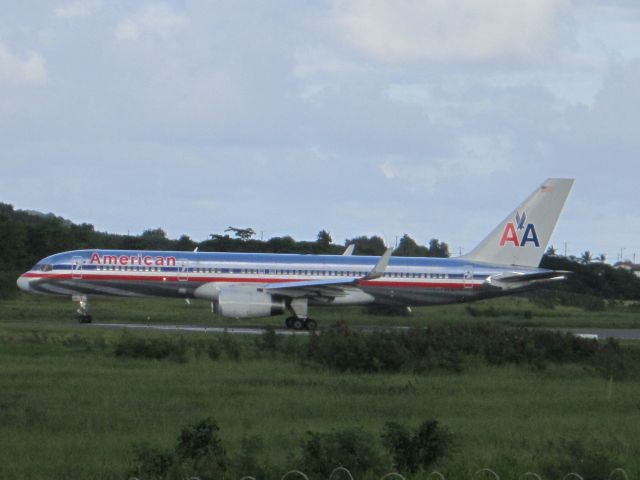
438, 249
367, 245
324, 238
409, 248
155, 239
185, 243
586, 257
242, 233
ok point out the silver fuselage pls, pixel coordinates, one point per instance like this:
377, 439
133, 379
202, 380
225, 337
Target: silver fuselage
410, 281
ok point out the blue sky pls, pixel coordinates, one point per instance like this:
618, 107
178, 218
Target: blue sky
432, 117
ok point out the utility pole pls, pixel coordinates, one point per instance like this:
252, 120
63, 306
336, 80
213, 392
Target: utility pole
565, 249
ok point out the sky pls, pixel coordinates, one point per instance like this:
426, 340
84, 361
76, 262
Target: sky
433, 118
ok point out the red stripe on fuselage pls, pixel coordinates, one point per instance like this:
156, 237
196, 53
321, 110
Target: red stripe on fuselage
196, 279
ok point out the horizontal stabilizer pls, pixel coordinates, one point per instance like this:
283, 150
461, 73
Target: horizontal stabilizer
513, 280
528, 277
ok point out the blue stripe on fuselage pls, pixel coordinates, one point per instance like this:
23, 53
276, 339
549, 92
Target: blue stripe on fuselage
451, 266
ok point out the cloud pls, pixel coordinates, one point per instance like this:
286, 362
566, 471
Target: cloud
78, 8
16, 71
158, 20
311, 61
449, 30
475, 156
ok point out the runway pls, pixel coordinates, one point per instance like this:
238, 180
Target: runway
596, 333
193, 328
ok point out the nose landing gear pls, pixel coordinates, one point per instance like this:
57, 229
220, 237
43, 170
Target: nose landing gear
83, 309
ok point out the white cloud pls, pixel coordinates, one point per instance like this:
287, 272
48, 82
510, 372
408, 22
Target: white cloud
449, 30
16, 71
311, 61
475, 156
78, 8
157, 19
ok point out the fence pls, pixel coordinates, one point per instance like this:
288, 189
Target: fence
616, 474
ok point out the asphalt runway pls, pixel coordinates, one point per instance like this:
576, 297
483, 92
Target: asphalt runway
192, 328
599, 333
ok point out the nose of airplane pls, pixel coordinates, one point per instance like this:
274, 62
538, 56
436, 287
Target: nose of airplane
23, 283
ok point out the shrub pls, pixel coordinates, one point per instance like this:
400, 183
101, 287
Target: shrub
230, 346
352, 449
420, 449
213, 350
200, 449
151, 463
565, 456
452, 347
248, 460
198, 452
151, 348
269, 339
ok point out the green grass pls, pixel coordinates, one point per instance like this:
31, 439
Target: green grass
70, 409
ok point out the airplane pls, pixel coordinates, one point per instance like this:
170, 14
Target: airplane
245, 285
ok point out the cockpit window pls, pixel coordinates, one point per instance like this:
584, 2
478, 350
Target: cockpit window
46, 267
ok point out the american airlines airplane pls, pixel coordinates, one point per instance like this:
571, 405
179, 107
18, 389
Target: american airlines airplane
243, 285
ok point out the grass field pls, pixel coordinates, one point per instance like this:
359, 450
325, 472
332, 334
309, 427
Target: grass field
70, 409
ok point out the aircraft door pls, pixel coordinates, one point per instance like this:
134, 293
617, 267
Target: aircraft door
468, 276
76, 268
183, 270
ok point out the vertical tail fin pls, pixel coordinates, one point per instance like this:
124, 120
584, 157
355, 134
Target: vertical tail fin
522, 238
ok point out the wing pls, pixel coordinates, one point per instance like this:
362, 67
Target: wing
337, 287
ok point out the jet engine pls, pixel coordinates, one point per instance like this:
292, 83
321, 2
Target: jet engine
243, 302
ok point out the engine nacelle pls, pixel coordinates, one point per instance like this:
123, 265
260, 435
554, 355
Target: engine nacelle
243, 302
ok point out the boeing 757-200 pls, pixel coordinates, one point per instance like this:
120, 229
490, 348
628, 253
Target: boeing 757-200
242, 285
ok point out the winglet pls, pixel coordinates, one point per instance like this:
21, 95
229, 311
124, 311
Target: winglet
349, 251
380, 267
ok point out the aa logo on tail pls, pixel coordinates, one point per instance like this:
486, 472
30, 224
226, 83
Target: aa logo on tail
511, 230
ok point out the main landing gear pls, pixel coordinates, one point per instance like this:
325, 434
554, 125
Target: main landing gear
83, 309
297, 323
299, 319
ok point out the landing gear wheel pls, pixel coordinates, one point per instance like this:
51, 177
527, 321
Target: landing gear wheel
310, 324
85, 319
298, 323
289, 322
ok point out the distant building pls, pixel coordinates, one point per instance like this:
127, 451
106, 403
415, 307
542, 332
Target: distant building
633, 267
